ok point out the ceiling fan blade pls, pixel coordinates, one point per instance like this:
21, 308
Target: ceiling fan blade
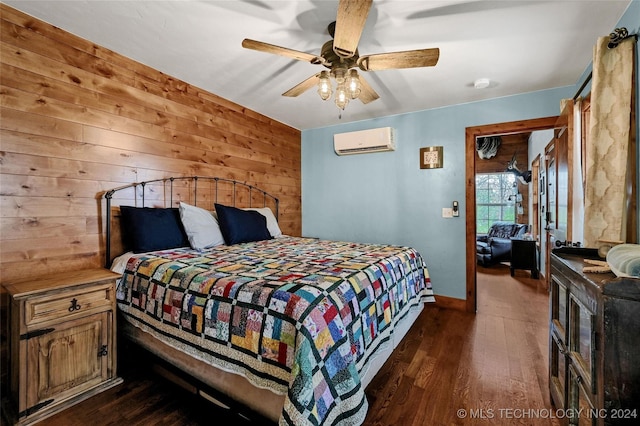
396, 60
282, 51
352, 15
367, 94
303, 87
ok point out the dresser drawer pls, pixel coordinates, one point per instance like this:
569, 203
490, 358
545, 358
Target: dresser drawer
68, 303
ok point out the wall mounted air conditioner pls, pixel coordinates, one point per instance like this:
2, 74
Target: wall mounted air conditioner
360, 142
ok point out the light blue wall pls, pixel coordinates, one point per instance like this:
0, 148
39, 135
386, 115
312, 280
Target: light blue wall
387, 198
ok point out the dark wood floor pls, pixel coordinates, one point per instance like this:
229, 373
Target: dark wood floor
453, 368
457, 368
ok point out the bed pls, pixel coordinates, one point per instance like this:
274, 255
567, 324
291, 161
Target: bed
292, 327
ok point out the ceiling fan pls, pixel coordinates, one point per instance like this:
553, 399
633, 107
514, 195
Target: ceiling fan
340, 56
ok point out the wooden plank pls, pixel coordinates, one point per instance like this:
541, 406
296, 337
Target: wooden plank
65, 111
214, 113
41, 227
15, 19
21, 143
49, 107
20, 163
11, 271
78, 119
141, 71
232, 168
44, 248
34, 124
61, 36
193, 147
26, 207
161, 107
28, 39
36, 186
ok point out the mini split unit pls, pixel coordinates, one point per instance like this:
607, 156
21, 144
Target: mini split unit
363, 141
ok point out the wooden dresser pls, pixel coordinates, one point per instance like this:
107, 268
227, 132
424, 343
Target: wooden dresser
62, 342
594, 342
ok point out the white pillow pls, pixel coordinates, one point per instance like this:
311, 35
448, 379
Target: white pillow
272, 223
201, 227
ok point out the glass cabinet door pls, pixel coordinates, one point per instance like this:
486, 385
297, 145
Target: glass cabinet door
558, 371
582, 341
559, 313
580, 410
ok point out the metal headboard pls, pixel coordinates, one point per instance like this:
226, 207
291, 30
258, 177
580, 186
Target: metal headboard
139, 194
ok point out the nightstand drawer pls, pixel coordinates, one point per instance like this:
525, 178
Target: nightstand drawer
67, 303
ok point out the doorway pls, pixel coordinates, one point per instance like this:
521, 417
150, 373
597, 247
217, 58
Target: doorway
472, 133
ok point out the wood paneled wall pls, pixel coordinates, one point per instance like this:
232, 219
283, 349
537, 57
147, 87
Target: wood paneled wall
78, 119
517, 144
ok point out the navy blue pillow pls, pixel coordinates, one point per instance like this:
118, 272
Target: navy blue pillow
241, 226
150, 229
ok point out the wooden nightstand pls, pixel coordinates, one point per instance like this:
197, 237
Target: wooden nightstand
62, 345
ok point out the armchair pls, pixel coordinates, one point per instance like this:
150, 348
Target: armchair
495, 246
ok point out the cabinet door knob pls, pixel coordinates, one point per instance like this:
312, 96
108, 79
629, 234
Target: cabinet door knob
74, 305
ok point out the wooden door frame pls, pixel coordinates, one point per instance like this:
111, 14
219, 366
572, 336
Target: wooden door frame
471, 134
551, 157
535, 201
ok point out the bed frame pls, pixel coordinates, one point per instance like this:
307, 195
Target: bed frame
169, 192
225, 389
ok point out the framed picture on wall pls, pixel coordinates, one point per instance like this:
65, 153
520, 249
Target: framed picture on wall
431, 157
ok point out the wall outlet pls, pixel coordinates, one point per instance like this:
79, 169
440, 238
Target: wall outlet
447, 212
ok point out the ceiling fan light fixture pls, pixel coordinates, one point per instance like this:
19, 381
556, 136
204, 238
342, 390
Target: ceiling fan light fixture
353, 82
324, 85
342, 97
340, 55
339, 73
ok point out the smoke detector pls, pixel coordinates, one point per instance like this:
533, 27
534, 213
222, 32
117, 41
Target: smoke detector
481, 83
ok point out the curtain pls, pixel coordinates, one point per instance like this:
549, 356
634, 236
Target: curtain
607, 147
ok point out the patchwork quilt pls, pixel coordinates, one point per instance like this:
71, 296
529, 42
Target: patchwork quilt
299, 316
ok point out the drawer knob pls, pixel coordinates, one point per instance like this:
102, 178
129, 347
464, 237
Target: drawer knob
74, 305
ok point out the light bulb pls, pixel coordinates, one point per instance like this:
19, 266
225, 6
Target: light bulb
342, 99
354, 84
324, 85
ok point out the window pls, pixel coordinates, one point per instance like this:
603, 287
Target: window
494, 199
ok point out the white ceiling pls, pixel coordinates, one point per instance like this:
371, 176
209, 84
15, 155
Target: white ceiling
522, 46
